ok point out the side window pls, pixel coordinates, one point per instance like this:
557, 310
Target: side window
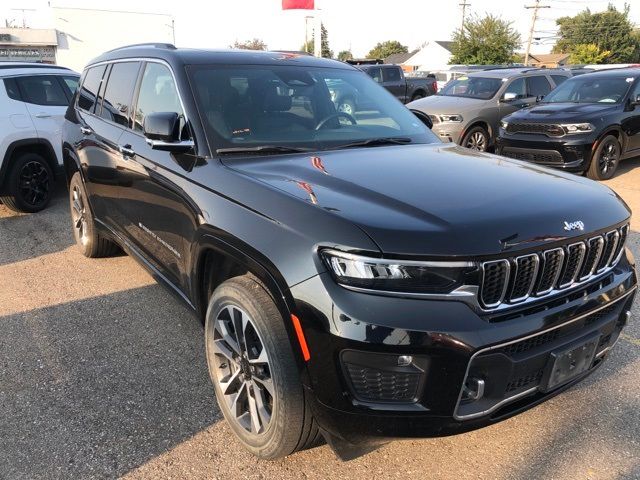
158, 93
391, 74
42, 90
558, 79
375, 73
636, 91
12, 89
538, 86
517, 87
119, 92
90, 87
71, 83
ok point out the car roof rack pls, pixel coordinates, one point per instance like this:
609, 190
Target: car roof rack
166, 46
8, 65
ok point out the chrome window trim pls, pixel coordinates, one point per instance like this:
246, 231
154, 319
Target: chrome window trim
533, 280
504, 288
521, 339
560, 250
583, 251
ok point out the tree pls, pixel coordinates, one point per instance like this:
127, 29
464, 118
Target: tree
254, 44
609, 30
324, 39
587, 53
386, 49
345, 55
484, 41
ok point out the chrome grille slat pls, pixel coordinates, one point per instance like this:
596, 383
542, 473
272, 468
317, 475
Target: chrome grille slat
506, 282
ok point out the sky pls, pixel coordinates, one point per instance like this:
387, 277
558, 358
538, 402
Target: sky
355, 25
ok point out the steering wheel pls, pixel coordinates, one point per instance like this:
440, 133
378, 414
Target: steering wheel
324, 121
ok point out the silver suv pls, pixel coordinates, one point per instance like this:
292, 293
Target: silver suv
468, 109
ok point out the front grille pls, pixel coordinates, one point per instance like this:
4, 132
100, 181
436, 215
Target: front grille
536, 156
374, 385
548, 129
513, 280
525, 381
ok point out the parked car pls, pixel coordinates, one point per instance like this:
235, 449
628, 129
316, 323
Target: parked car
586, 125
404, 87
357, 279
32, 106
469, 109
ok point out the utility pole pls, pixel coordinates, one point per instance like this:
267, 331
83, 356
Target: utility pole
464, 6
533, 26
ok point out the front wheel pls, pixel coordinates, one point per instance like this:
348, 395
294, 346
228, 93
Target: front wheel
477, 139
254, 372
605, 159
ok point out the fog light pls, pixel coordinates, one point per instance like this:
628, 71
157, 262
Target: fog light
473, 389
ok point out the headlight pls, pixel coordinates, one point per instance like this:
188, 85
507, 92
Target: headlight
504, 124
577, 128
398, 275
451, 118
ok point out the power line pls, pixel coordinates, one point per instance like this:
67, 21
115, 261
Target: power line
535, 7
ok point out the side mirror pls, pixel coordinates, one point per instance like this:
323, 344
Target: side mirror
509, 97
423, 117
162, 130
635, 101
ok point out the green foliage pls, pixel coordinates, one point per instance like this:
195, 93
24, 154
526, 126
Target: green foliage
386, 49
484, 41
324, 38
609, 30
587, 53
345, 55
253, 44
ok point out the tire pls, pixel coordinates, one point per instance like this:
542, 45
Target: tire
347, 105
30, 184
90, 242
477, 138
417, 96
605, 159
260, 366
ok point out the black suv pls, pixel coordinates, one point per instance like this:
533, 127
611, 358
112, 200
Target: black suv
358, 279
587, 124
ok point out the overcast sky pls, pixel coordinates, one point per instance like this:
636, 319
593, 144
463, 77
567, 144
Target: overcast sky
352, 24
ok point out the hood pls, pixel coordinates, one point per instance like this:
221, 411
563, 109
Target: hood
442, 104
564, 112
440, 199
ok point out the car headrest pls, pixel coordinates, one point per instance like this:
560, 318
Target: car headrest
276, 103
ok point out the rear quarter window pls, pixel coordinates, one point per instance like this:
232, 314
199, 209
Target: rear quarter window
12, 89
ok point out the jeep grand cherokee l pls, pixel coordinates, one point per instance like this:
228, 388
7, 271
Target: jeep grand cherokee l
587, 125
358, 279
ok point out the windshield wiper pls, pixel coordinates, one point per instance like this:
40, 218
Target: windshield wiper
262, 149
374, 142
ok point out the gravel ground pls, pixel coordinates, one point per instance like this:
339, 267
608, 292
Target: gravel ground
102, 374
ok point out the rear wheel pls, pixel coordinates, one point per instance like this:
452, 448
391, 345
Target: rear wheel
30, 184
90, 242
605, 160
253, 369
417, 96
476, 138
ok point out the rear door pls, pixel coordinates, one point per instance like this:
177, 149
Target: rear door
46, 101
393, 80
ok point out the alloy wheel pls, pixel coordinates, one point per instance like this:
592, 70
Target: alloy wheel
242, 369
477, 141
346, 108
79, 215
608, 157
34, 183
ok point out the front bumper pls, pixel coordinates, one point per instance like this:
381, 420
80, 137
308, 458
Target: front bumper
571, 152
450, 343
449, 131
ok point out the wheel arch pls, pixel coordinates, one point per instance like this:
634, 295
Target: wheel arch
478, 122
70, 161
40, 146
614, 130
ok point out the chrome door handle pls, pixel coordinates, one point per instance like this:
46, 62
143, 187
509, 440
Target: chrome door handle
86, 130
126, 151
42, 115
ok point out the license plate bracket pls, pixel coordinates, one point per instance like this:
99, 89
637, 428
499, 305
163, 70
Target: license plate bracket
569, 362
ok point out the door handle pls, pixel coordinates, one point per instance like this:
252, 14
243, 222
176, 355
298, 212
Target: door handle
126, 150
42, 115
86, 130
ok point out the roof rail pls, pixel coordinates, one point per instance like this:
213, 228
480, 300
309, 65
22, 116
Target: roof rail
167, 46
8, 65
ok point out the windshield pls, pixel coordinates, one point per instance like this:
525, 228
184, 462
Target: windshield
589, 89
472, 87
303, 108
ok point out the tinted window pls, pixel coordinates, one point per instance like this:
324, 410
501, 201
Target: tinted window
375, 73
71, 83
391, 74
592, 89
90, 87
42, 90
12, 88
518, 87
558, 79
158, 93
538, 86
119, 91
472, 87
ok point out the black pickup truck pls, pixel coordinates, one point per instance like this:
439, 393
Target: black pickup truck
406, 89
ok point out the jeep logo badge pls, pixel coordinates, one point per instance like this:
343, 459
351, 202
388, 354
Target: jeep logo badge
578, 225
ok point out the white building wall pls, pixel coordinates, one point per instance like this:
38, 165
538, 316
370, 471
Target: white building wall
431, 57
84, 34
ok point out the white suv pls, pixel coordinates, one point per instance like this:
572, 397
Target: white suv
33, 100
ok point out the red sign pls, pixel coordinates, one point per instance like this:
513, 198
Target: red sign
298, 4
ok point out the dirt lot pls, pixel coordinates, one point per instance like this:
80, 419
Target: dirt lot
102, 374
